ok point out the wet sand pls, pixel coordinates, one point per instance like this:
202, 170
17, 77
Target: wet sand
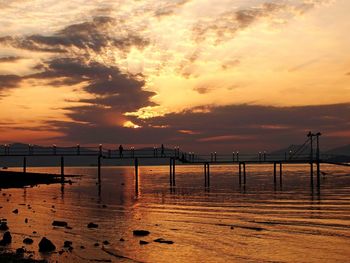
228, 223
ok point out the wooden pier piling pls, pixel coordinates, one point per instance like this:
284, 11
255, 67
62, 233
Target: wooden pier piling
274, 173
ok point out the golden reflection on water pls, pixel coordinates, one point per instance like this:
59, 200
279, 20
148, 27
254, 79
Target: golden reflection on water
226, 223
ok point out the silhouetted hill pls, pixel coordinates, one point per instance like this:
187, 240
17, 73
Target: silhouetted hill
339, 154
343, 150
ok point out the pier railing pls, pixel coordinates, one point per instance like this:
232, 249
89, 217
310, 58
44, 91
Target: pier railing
157, 153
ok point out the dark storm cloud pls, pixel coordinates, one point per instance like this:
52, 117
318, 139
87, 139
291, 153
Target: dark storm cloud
73, 64
169, 8
9, 59
9, 81
224, 128
114, 92
93, 35
227, 24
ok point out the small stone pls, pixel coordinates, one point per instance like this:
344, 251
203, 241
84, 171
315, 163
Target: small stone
3, 226
20, 251
122, 239
26, 220
143, 242
6, 239
232, 227
60, 252
106, 242
96, 244
15, 211
34, 232
46, 245
59, 223
67, 244
141, 233
28, 241
163, 241
92, 225
82, 247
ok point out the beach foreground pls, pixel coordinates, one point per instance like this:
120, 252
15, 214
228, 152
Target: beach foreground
87, 221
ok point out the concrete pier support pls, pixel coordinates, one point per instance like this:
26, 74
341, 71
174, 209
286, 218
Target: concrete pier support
62, 168
206, 175
24, 164
240, 173
281, 173
318, 174
172, 173
136, 162
244, 175
99, 167
311, 175
240, 167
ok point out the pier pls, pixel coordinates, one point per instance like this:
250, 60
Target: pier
177, 157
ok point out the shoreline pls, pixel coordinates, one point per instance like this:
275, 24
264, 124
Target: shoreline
13, 179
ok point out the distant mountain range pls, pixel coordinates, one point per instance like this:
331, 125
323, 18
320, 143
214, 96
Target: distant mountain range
339, 154
343, 150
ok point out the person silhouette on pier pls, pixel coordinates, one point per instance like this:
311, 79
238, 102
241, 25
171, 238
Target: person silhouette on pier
162, 150
121, 149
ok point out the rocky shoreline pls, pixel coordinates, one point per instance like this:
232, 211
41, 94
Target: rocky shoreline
10, 179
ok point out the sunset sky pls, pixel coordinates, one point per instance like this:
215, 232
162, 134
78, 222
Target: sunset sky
223, 75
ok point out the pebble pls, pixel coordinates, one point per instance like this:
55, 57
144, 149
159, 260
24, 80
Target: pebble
59, 223
46, 245
163, 241
3, 226
141, 233
92, 225
6, 239
28, 241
